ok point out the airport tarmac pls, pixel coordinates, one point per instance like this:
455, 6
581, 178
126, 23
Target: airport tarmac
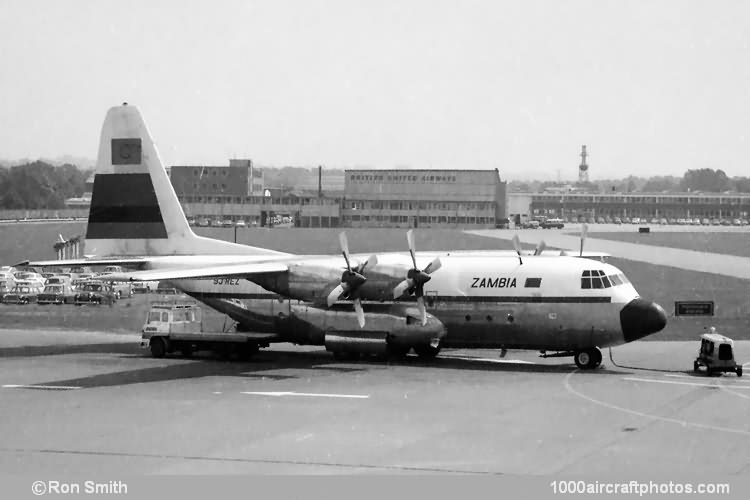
96, 403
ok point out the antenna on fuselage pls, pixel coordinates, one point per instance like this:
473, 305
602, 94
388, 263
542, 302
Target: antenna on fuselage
517, 246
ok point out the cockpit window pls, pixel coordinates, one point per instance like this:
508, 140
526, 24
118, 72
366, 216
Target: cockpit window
595, 278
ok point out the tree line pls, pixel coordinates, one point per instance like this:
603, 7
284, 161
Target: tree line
39, 185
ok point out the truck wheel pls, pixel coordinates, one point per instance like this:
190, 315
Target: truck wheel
186, 351
739, 371
158, 347
695, 366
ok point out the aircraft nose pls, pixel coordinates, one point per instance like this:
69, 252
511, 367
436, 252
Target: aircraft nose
641, 317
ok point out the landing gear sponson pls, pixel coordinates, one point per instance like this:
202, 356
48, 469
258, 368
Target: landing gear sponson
585, 359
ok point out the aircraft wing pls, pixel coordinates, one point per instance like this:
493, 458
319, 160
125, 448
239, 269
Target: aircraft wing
221, 271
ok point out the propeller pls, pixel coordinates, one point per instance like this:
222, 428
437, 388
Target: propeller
584, 232
540, 248
415, 278
351, 281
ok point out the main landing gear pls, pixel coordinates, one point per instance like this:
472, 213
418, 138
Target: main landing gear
588, 359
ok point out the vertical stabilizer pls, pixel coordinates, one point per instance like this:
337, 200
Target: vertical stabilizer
134, 208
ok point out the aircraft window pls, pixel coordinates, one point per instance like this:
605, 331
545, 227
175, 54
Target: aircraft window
586, 282
533, 282
587, 273
615, 279
606, 282
596, 283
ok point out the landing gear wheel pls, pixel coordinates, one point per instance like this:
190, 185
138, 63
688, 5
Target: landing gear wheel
588, 359
158, 347
426, 351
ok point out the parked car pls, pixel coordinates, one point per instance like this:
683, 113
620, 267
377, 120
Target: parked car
550, 223
144, 286
715, 222
59, 293
32, 277
112, 269
191, 221
58, 280
202, 222
227, 223
24, 292
635, 220
705, 222
93, 292
617, 220
121, 289
240, 223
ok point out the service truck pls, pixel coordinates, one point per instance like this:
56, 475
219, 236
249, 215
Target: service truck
178, 326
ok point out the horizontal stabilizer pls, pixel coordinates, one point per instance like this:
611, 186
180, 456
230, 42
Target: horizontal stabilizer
126, 261
223, 271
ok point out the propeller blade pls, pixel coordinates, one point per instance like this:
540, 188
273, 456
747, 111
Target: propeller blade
517, 246
540, 248
422, 310
335, 294
360, 312
433, 266
584, 232
412, 246
370, 262
345, 248
401, 288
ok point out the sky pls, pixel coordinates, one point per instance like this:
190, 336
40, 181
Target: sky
651, 87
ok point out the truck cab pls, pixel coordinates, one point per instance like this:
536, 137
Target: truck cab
717, 355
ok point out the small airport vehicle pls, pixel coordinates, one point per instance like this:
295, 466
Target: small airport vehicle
94, 292
716, 354
177, 326
550, 223
59, 293
23, 293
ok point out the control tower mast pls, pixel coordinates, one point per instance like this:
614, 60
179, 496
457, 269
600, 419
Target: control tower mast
583, 168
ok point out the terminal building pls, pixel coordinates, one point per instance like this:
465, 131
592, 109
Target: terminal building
238, 192
586, 206
423, 198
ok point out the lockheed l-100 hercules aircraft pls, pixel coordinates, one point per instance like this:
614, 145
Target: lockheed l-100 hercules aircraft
382, 303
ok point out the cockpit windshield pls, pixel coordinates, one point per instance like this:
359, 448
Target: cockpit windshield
596, 278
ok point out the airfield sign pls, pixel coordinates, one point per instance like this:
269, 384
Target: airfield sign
694, 308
